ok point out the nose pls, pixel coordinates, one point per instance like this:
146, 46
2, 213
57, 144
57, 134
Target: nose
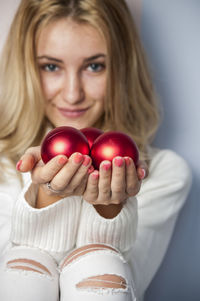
72, 90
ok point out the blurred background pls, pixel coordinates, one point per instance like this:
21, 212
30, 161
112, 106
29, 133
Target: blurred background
170, 34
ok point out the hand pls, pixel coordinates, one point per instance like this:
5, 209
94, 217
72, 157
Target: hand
114, 182
67, 176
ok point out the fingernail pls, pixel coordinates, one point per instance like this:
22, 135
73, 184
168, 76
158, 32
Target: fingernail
78, 158
18, 165
119, 161
86, 160
142, 173
95, 175
127, 160
90, 169
62, 160
106, 166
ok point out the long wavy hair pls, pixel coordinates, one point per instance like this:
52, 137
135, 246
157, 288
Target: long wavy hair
130, 105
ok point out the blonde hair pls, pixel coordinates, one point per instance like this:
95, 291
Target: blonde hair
130, 104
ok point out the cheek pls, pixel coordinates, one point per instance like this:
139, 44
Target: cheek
97, 90
50, 87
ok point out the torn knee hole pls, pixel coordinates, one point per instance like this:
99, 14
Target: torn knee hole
28, 265
103, 281
84, 250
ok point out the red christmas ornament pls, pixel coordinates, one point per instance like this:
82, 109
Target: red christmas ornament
64, 140
112, 144
91, 134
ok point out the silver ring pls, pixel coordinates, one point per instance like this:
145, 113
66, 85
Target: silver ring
51, 189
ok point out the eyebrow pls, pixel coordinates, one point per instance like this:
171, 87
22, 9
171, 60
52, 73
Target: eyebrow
96, 56
48, 58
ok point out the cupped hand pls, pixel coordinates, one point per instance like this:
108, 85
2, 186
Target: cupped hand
115, 182
67, 176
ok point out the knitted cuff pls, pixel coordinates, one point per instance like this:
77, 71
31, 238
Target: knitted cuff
53, 228
119, 231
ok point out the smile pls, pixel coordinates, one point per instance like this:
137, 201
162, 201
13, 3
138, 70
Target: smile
72, 114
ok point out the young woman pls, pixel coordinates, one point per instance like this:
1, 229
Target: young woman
69, 232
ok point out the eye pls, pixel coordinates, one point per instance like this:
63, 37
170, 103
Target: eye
96, 67
50, 67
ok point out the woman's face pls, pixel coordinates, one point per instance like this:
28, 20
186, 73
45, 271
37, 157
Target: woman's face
72, 63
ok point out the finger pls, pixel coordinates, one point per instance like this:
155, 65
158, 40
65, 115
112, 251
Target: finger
80, 189
81, 173
43, 173
132, 181
142, 170
118, 185
65, 175
91, 169
105, 182
29, 159
91, 192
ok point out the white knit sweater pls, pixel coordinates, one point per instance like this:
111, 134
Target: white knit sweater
141, 231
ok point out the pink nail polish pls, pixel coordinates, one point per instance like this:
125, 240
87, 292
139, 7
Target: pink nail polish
90, 169
62, 160
127, 160
86, 161
142, 173
106, 166
118, 161
95, 175
78, 158
19, 163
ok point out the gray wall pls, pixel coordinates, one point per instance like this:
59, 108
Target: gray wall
7, 9
170, 32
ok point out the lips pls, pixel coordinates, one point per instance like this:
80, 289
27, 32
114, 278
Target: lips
72, 113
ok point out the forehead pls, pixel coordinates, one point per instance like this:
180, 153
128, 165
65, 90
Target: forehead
66, 34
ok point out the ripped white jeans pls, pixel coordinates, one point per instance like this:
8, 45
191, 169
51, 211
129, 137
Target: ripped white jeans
94, 272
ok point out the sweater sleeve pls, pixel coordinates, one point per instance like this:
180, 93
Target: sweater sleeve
143, 229
160, 200
53, 228
9, 189
6, 204
119, 231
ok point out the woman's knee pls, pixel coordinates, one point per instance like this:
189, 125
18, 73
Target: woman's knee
24, 264
97, 268
29, 274
86, 249
98, 281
